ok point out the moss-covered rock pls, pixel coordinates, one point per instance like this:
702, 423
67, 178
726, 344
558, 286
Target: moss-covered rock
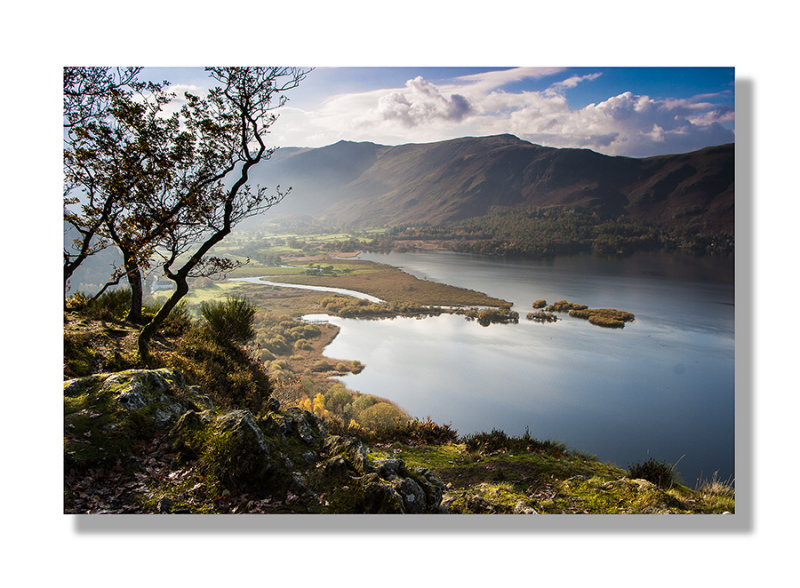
105, 413
351, 449
188, 435
307, 426
431, 485
282, 460
238, 455
385, 485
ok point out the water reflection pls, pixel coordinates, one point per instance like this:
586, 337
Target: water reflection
661, 387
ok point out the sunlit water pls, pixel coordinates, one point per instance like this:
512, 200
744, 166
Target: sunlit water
263, 280
662, 387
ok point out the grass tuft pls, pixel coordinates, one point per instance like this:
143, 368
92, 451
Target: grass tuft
659, 473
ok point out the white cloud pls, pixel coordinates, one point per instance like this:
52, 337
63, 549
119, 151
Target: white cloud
422, 102
180, 89
571, 82
178, 100
714, 116
475, 105
657, 134
487, 81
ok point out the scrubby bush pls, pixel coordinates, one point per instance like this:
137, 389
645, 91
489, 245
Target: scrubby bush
541, 303
230, 320
337, 398
281, 335
493, 441
278, 345
498, 440
111, 304
302, 344
279, 368
301, 331
380, 415
488, 316
427, 432
659, 473
226, 372
363, 402
321, 366
76, 301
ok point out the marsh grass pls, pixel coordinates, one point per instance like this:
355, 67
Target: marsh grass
394, 285
718, 495
565, 306
542, 317
604, 317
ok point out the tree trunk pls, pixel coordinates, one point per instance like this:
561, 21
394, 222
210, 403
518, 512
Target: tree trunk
134, 276
147, 332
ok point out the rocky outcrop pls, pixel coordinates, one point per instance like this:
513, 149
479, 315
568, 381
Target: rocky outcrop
284, 455
105, 413
383, 485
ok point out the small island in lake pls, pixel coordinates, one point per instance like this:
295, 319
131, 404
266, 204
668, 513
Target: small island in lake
541, 316
602, 317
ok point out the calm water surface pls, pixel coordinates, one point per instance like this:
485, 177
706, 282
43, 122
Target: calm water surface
662, 387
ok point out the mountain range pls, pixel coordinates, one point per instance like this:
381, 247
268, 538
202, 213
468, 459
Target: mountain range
367, 185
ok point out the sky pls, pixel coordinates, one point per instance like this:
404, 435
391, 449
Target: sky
630, 111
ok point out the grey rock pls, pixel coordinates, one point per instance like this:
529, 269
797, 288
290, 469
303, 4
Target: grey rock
243, 424
389, 469
522, 508
414, 499
380, 497
351, 449
336, 467
273, 425
432, 486
304, 424
165, 505
162, 390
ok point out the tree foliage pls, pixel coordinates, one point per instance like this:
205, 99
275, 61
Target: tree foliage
225, 138
165, 188
535, 231
120, 157
109, 156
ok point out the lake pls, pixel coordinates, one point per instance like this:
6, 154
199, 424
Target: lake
662, 387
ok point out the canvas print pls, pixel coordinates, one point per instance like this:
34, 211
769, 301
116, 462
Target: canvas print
441, 291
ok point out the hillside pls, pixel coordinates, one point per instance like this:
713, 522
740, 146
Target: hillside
364, 184
204, 432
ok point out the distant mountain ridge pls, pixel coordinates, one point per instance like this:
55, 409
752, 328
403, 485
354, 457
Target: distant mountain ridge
365, 184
